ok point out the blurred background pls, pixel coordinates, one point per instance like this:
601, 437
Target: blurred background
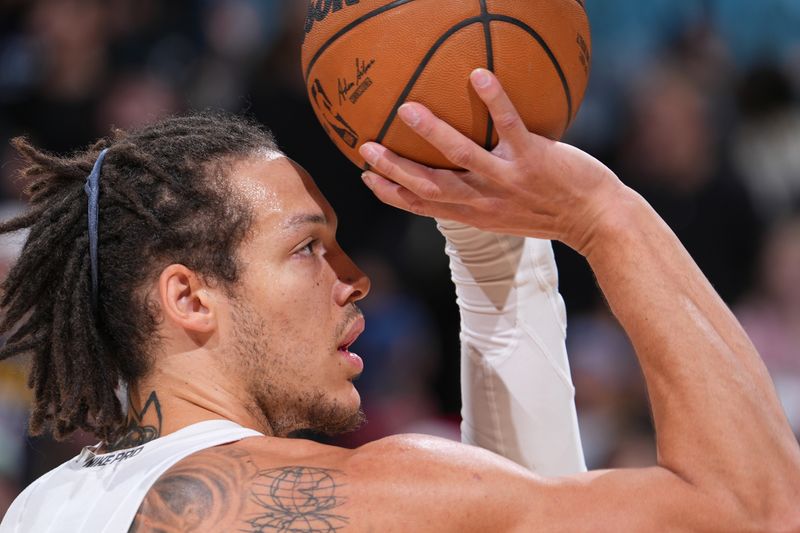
694, 103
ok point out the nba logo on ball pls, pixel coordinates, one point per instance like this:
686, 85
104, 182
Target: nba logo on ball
362, 59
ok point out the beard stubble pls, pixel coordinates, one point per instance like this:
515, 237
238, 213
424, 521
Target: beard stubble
286, 411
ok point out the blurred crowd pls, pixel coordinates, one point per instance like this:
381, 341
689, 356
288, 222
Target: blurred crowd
694, 103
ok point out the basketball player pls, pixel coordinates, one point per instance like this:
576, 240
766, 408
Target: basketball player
235, 323
501, 413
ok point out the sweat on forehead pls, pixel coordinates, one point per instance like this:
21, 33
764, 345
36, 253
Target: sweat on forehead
269, 154
272, 182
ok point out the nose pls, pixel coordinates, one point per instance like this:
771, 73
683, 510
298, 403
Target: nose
352, 283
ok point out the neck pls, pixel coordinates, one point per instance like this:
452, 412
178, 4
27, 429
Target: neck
167, 402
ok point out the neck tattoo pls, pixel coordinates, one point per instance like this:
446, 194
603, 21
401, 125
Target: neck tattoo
138, 433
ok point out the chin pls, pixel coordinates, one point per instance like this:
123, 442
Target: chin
333, 414
354, 398
346, 410
344, 422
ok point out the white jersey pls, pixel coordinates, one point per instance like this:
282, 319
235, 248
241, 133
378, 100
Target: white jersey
101, 493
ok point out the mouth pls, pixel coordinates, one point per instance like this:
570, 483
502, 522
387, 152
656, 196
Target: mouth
352, 334
356, 329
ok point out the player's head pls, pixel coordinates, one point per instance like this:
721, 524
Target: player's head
284, 331
189, 213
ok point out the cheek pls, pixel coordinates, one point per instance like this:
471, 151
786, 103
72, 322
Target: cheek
307, 291
296, 304
300, 321
291, 285
305, 307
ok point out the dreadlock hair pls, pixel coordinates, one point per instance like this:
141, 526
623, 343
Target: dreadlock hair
163, 199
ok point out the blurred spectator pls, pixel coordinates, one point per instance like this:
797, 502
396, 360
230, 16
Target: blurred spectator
70, 39
135, 99
14, 394
610, 395
771, 314
767, 144
237, 32
627, 37
672, 156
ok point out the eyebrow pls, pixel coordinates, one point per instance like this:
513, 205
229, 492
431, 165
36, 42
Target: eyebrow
306, 219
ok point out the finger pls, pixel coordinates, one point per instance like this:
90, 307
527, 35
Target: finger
430, 184
507, 121
395, 195
398, 196
457, 148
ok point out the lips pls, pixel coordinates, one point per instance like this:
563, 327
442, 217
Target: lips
356, 329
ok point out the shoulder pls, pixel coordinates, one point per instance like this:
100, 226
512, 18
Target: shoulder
408, 480
247, 485
34, 496
198, 492
448, 485
434, 453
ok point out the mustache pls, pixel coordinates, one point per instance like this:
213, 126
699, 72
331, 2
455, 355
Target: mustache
352, 314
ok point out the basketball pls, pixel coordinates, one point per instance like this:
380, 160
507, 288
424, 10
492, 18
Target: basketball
363, 59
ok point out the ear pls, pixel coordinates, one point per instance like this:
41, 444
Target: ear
186, 300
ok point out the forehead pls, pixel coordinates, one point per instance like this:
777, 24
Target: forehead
278, 189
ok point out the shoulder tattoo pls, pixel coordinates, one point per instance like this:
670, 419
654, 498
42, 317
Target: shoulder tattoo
298, 498
226, 491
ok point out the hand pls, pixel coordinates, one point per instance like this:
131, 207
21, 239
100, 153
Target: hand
528, 185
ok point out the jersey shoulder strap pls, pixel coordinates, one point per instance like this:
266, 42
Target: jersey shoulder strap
102, 492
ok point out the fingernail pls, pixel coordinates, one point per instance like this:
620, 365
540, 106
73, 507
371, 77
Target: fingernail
481, 78
369, 153
409, 114
366, 179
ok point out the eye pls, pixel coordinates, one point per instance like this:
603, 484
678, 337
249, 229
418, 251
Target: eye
308, 249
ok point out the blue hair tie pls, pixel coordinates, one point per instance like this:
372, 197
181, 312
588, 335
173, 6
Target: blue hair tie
92, 189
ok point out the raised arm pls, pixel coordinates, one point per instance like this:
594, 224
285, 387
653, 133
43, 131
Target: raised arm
727, 457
